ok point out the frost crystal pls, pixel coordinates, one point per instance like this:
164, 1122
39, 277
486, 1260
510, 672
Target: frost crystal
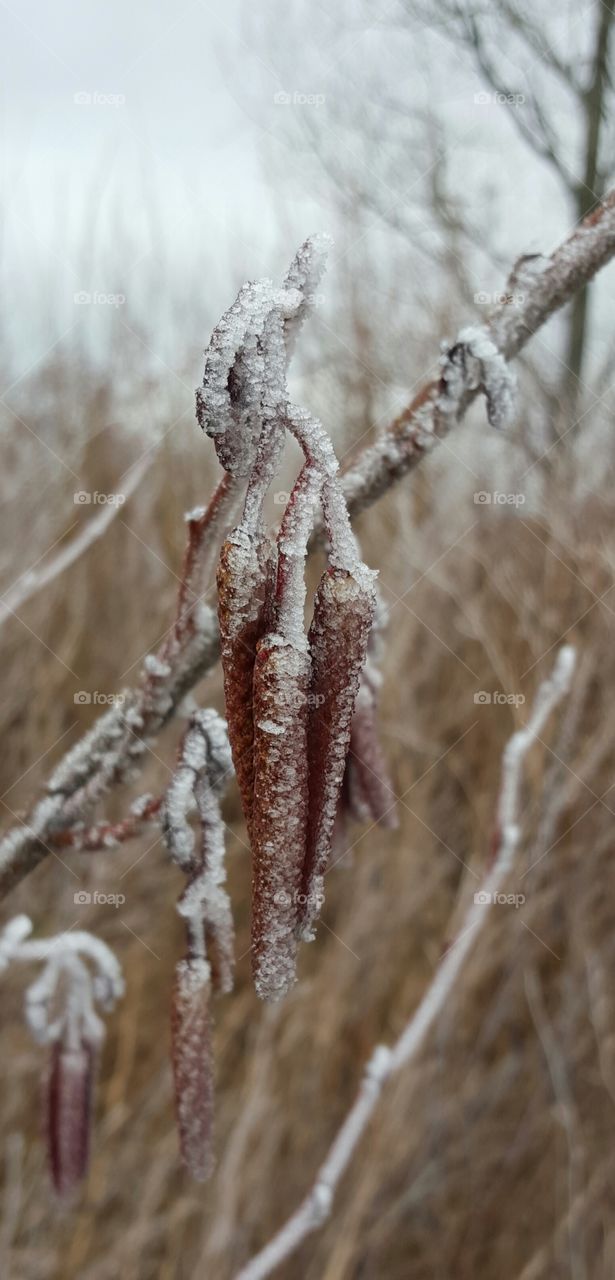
474, 363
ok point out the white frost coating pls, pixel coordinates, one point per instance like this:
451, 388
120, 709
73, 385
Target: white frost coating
320, 456
154, 666
204, 767
296, 527
139, 806
59, 1004
244, 383
317, 1205
236, 379
548, 695
197, 513
474, 363
305, 273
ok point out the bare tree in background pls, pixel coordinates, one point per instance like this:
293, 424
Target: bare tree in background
387, 149
588, 85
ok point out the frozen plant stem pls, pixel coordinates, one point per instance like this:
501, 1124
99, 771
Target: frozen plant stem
384, 1062
203, 767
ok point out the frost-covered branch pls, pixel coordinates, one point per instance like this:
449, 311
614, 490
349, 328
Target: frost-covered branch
116, 746
78, 972
545, 284
108, 835
204, 765
385, 1061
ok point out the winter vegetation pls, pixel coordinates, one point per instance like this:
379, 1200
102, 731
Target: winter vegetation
305, 860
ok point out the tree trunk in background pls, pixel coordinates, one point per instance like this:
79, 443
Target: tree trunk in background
589, 192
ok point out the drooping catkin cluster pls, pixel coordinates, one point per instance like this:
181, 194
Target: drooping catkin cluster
290, 697
204, 765
60, 1012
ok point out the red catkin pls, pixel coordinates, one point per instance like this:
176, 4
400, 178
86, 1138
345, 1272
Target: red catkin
371, 797
192, 1065
242, 580
69, 1107
281, 682
343, 614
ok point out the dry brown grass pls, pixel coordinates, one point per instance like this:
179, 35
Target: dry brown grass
492, 1155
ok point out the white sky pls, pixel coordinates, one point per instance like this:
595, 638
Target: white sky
157, 183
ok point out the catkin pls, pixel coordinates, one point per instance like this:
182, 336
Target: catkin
343, 613
242, 578
69, 1105
281, 682
192, 1065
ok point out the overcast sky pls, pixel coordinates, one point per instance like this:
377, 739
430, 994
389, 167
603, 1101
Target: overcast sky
133, 139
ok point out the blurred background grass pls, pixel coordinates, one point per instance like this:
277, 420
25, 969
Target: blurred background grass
492, 1155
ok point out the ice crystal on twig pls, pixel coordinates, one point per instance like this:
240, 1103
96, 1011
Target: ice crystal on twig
474, 363
203, 769
204, 765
